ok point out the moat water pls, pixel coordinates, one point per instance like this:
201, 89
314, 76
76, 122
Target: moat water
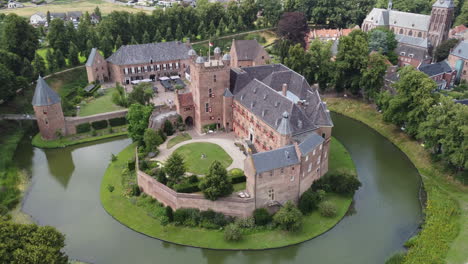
64, 193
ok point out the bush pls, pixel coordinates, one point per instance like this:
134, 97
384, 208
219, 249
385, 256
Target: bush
113, 157
169, 213
410, 242
193, 179
161, 177
232, 233
327, 209
164, 220
262, 216
136, 190
162, 135
99, 124
341, 183
187, 217
289, 218
245, 222
118, 121
186, 187
110, 188
131, 165
83, 128
93, 132
237, 176
168, 128
309, 201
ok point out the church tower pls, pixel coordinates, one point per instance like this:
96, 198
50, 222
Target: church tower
48, 109
441, 21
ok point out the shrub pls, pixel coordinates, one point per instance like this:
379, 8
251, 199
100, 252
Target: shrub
327, 209
110, 188
410, 242
93, 133
187, 217
99, 124
162, 135
397, 258
262, 216
169, 213
216, 184
245, 222
232, 233
161, 177
164, 220
212, 220
309, 201
186, 187
152, 139
113, 157
83, 128
193, 179
289, 218
136, 190
341, 183
168, 128
118, 121
131, 165
110, 130
237, 176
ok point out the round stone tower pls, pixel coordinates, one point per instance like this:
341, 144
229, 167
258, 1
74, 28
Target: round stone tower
48, 109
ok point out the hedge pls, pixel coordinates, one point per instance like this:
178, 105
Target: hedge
118, 121
99, 124
237, 176
83, 128
186, 187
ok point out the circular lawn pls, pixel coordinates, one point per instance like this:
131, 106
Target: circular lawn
199, 156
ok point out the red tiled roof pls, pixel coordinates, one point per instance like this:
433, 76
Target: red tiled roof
459, 29
185, 99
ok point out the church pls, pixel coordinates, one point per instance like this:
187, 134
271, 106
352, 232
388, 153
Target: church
434, 27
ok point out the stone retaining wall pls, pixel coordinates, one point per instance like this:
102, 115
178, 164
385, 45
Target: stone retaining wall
233, 206
72, 122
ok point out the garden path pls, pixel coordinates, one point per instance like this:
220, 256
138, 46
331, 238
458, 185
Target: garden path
224, 140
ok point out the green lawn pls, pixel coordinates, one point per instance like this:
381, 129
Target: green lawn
99, 105
177, 139
142, 216
444, 237
37, 140
192, 154
240, 186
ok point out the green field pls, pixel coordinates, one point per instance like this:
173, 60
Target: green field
178, 139
444, 237
141, 214
99, 105
192, 154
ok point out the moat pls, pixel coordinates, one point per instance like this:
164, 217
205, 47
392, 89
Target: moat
64, 193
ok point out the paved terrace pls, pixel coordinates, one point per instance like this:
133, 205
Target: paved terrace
225, 140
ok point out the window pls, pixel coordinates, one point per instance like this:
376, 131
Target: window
207, 107
310, 168
214, 78
271, 194
313, 153
307, 158
292, 178
320, 147
323, 135
318, 161
210, 92
282, 170
44, 112
402, 53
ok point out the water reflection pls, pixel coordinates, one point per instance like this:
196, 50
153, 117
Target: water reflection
60, 164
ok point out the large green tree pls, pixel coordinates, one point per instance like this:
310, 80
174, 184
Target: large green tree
39, 65
175, 168
322, 68
18, 36
138, 118
217, 183
142, 93
31, 244
289, 218
443, 50
372, 80
58, 39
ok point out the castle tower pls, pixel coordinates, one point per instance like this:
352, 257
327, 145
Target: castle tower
228, 98
209, 79
284, 129
48, 109
441, 21
217, 53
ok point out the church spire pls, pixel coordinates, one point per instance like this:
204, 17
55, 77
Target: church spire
390, 5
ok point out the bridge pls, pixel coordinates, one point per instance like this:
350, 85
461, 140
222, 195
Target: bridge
17, 117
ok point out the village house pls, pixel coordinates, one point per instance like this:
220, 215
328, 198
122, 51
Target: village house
327, 35
412, 51
38, 19
13, 4
459, 32
138, 62
246, 53
458, 59
441, 73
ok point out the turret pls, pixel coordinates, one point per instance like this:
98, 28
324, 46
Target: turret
217, 53
284, 129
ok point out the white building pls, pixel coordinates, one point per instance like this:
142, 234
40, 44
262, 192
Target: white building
38, 19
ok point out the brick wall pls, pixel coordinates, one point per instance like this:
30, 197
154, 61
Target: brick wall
99, 70
234, 206
50, 120
72, 122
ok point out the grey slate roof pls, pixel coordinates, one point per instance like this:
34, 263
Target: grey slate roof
435, 68
413, 41
418, 52
384, 17
275, 159
74, 14
227, 93
444, 4
144, 53
310, 143
44, 95
90, 60
258, 89
246, 50
58, 15
461, 50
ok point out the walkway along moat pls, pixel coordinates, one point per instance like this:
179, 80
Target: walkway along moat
65, 193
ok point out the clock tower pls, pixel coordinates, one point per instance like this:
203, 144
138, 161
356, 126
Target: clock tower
441, 21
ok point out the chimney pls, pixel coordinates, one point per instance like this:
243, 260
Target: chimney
285, 89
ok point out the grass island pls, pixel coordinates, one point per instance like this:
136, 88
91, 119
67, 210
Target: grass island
142, 213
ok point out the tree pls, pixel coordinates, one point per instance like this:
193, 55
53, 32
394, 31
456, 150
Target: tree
146, 38
321, 65
410, 106
141, 94
51, 63
175, 168
39, 65
293, 26
138, 117
443, 50
271, 10
18, 36
289, 218
8, 81
350, 61
298, 60
58, 39
157, 36
262, 216
217, 183
97, 12
309, 201
152, 139
462, 18
382, 39
118, 42
59, 59
168, 128
48, 17
31, 244
73, 59
106, 46
372, 80
232, 232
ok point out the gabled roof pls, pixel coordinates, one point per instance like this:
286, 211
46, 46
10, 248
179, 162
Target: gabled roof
310, 143
90, 60
144, 53
413, 41
44, 95
384, 17
461, 50
418, 52
246, 50
275, 159
435, 68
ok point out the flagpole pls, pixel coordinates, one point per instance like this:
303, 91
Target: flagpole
209, 50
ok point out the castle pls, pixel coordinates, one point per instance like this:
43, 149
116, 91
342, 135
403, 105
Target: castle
434, 27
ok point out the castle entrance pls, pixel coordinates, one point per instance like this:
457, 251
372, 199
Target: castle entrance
189, 121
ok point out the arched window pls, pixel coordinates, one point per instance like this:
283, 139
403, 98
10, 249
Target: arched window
410, 33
